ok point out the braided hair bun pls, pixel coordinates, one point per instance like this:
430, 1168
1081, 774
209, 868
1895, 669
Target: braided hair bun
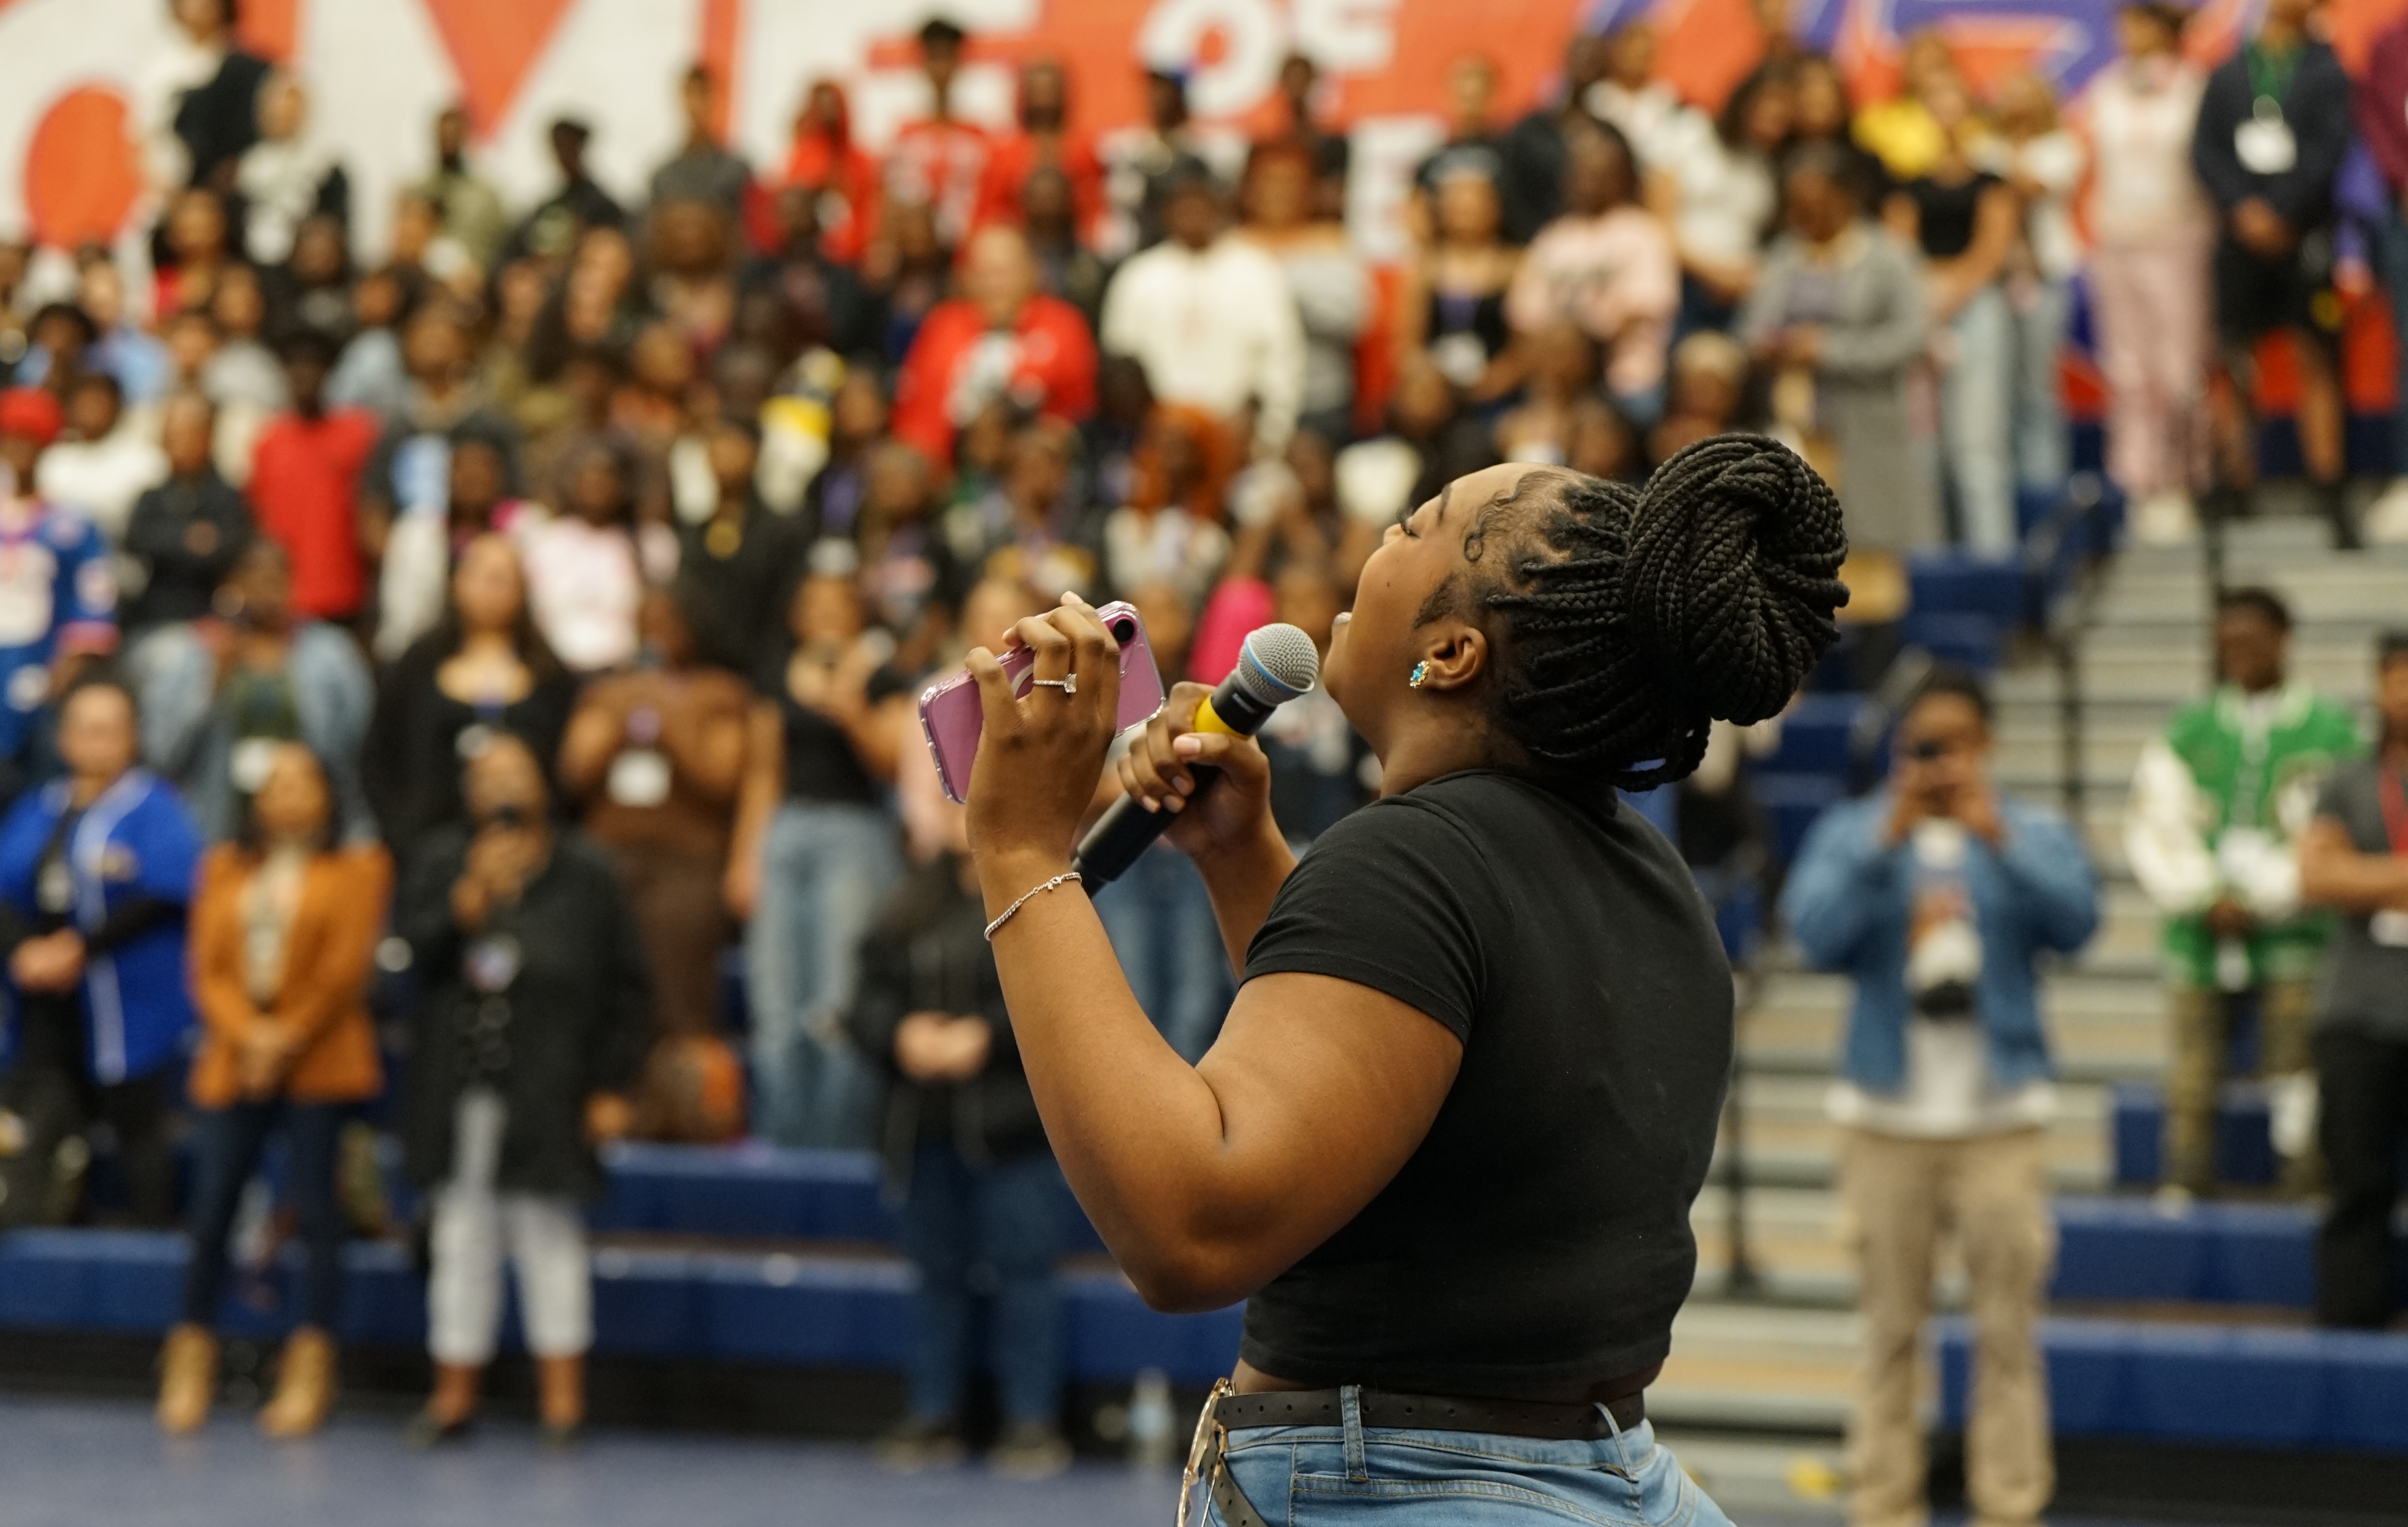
1640, 619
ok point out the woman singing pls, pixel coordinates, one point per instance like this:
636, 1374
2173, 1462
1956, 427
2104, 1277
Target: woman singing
1447, 1142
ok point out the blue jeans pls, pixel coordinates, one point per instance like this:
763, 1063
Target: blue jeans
826, 873
1303, 1476
1159, 917
229, 1142
2043, 455
1976, 414
1004, 1220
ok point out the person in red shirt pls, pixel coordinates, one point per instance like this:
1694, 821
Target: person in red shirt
1044, 139
305, 484
843, 179
1002, 338
940, 160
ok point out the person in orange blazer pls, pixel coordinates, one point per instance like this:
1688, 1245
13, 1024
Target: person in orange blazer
285, 925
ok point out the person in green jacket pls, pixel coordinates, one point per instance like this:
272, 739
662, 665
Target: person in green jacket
2217, 804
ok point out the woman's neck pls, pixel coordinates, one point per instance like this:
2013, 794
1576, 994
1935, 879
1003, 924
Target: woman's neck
1436, 742
486, 644
84, 789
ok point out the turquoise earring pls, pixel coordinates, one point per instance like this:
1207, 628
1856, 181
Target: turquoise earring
1420, 675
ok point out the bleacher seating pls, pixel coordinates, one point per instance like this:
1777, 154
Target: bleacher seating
2244, 1152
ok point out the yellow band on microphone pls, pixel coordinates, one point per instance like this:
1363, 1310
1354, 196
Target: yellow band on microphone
1209, 719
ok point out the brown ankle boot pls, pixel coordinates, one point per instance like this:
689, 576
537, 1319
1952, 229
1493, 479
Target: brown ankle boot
305, 1385
187, 1379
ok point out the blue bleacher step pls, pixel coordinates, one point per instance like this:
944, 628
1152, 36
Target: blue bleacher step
2244, 1152
774, 1308
2127, 1250
2264, 1389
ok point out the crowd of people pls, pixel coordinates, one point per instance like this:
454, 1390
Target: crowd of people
492, 631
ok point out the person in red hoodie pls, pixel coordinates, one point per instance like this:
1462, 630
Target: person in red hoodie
1002, 338
841, 176
1044, 139
940, 159
305, 484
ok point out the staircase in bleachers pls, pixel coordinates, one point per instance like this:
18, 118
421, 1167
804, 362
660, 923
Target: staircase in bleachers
2181, 1328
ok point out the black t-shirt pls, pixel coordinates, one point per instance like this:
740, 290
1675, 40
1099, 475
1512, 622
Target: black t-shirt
2365, 987
1944, 215
739, 577
822, 768
1539, 1239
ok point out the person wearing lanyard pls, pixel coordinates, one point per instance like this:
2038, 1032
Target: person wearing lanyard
2353, 859
2272, 128
1447, 1141
2215, 804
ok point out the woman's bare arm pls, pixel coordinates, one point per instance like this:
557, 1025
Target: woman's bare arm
2332, 872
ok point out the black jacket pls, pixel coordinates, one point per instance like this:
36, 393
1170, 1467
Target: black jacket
2317, 107
928, 954
161, 536
411, 763
580, 1013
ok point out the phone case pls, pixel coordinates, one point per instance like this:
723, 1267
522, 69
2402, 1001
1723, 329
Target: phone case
951, 719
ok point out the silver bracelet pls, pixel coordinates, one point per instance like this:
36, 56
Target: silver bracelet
1025, 897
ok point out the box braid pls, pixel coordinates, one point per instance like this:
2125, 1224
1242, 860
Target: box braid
1634, 618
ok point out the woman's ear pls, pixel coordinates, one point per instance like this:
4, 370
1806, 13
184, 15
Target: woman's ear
1457, 658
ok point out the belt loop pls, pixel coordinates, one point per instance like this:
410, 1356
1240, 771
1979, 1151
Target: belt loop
1622, 1459
1350, 1403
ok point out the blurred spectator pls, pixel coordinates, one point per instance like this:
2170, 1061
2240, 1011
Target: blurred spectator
1719, 194
313, 290
1839, 313
185, 534
1452, 302
1032, 525
1317, 762
1044, 141
1937, 895
1145, 164
2381, 118
1964, 220
2152, 229
856, 419
2043, 163
913, 582
1647, 111
1000, 338
2354, 861
1326, 152
1331, 289
242, 376
1537, 150
906, 273
105, 462
1439, 439
1822, 118
528, 1032
483, 670
1607, 264
1157, 914
1066, 267
736, 568
220, 695
587, 566
703, 169
653, 760
2273, 127
555, 226
1559, 373
478, 497
116, 343
839, 180
286, 175
284, 931
2217, 805
305, 484
1170, 530
1211, 319
59, 338
199, 246
409, 473
57, 591
371, 372
199, 100
966, 1152
94, 872
470, 208
939, 160
1902, 130
1472, 144
815, 851
1710, 375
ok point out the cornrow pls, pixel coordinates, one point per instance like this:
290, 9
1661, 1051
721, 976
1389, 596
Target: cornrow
1638, 618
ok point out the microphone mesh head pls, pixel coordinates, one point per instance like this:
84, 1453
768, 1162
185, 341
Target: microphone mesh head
1278, 665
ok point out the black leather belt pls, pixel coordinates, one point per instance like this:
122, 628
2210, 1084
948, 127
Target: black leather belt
1227, 1411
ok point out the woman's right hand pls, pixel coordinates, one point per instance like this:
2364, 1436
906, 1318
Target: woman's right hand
1160, 769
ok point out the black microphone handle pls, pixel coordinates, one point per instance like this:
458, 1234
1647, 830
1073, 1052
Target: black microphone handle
1125, 830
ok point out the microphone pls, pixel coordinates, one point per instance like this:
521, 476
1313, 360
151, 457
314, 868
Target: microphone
1279, 663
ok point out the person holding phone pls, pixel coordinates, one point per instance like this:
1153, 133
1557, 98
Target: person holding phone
1446, 1143
1937, 895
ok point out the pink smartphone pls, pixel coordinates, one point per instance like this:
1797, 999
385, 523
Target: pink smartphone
952, 720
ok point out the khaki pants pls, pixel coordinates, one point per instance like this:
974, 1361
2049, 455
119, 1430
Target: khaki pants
1899, 1195
2202, 1037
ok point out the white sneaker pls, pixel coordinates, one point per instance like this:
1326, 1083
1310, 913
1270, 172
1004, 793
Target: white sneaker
2386, 520
2164, 518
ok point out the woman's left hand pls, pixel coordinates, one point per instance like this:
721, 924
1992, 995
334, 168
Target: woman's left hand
1041, 753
